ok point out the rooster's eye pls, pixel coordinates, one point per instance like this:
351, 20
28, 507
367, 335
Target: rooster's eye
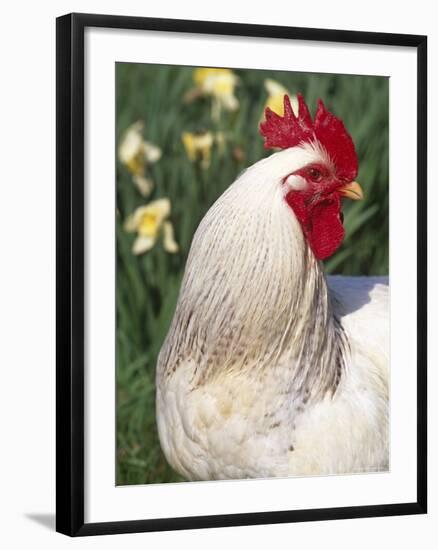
315, 174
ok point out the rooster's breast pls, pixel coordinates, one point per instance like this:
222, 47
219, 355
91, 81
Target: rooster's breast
229, 427
251, 424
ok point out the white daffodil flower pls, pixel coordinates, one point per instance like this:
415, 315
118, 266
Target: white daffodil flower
149, 221
220, 85
136, 153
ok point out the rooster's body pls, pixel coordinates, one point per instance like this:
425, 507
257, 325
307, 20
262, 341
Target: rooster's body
270, 368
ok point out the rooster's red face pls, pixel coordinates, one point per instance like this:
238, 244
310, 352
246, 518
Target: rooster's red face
316, 201
317, 206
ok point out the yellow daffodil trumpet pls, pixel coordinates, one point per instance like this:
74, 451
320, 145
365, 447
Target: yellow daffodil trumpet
275, 100
198, 147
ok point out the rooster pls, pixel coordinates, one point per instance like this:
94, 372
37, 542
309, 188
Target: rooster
269, 367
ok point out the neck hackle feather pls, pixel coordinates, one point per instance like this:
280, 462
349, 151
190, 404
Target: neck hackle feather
253, 295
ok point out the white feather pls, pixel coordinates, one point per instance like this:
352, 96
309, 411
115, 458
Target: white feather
249, 380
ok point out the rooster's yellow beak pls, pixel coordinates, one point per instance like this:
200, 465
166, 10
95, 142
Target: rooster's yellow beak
352, 190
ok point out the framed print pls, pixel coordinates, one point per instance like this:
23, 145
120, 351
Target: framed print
241, 274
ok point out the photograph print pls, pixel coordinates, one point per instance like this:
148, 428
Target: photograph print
252, 274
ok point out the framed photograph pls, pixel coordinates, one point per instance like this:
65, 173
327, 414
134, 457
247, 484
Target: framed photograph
241, 274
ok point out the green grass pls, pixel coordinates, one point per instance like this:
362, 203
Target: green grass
147, 285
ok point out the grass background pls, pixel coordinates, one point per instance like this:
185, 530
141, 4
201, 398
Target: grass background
147, 285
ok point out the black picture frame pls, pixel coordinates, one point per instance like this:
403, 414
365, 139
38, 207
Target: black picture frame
70, 273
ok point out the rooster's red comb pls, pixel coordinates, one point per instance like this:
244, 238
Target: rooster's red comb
290, 130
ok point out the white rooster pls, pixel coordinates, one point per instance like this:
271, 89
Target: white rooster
270, 368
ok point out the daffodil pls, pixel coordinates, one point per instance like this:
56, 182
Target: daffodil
198, 147
136, 153
276, 93
149, 222
220, 85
